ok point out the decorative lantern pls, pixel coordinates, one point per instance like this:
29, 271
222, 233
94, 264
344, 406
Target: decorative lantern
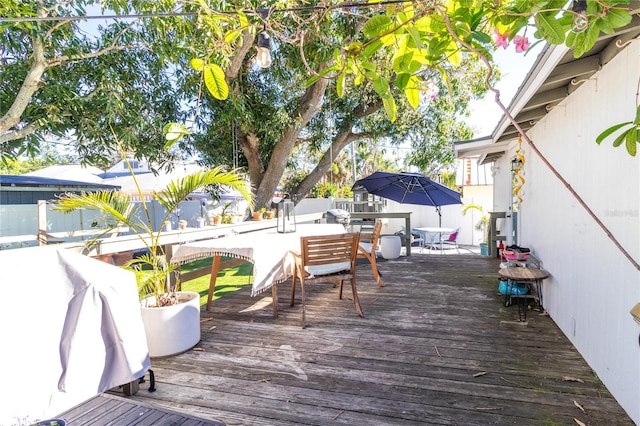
286, 218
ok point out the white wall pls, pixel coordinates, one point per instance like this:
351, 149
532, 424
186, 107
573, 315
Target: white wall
480, 195
592, 285
424, 216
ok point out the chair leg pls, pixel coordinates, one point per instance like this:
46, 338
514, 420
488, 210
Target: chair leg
374, 268
304, 306
340, 293
293, 286
356, 301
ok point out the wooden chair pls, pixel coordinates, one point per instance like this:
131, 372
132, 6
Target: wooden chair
326, 258
367, 250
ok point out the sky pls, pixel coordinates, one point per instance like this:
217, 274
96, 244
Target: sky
514, 66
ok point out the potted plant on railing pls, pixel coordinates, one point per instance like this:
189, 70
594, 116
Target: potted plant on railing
168, 333
226, 215
257, 215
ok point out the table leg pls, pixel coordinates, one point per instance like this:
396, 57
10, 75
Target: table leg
538, 285
522, 307
215, 267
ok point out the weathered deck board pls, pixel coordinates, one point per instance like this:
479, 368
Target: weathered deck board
413, 359
113, 410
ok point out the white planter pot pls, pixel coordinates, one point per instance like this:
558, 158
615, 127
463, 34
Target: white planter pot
172, 329
390, 246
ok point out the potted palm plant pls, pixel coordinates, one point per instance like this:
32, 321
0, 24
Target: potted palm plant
168, 332
482, 225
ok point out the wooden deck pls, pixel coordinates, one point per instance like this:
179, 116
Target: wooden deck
436, 346
106, 409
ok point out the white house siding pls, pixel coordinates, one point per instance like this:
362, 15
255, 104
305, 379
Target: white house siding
592, 285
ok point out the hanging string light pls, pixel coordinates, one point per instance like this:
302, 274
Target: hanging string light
519, 172
580, 21
263, 58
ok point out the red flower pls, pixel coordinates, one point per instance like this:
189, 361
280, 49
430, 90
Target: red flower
522, 43
500, 39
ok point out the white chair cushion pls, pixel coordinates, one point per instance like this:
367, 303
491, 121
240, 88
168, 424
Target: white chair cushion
366, 247
330, 268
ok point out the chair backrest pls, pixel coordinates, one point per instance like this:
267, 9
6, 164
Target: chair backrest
327, 250
453, 236
375, 235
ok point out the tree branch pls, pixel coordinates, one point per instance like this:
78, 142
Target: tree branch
18, 134
236, 62
29, 86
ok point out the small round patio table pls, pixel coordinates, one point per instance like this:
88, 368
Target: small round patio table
528, 276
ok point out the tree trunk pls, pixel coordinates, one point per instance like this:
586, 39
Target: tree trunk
342, 139
250, 145
310, 105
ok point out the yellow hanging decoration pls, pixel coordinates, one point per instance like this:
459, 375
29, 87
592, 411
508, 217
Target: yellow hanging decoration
519, 170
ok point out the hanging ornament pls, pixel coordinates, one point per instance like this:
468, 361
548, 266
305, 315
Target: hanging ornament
519, 171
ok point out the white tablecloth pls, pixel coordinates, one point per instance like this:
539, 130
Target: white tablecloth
71, 328
268, 251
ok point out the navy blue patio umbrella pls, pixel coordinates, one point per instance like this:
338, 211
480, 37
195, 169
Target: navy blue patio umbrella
410, 188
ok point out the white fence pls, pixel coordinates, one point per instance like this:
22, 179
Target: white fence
20, 224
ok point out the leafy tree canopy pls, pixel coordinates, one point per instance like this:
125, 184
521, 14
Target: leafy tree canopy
193, 64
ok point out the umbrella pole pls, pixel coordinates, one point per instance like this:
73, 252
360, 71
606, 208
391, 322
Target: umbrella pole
439, 216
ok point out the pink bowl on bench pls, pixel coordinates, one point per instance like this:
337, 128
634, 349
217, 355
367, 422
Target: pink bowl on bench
514, 255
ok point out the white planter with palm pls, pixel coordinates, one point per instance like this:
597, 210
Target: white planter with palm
171, 318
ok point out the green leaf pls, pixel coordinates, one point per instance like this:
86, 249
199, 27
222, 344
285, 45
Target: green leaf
412, 92
197, 64
390, 108
604, 26
402, 80
602, 136
415, 36
370, 49
617, 17
215, 81
369, 66
618, 141
550, 28
376, 26
232, 36
340, 84
637, 120
571, 39
173, 132
401, 63
481, 37
311, 80
390, 39
632, 136
381, 86
585, 41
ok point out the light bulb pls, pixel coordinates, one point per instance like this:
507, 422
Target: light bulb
263, 58
580, 23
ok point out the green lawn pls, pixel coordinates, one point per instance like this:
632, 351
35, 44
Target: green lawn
229, 280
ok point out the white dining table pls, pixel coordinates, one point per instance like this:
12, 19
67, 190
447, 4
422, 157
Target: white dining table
430, 234
268, 250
